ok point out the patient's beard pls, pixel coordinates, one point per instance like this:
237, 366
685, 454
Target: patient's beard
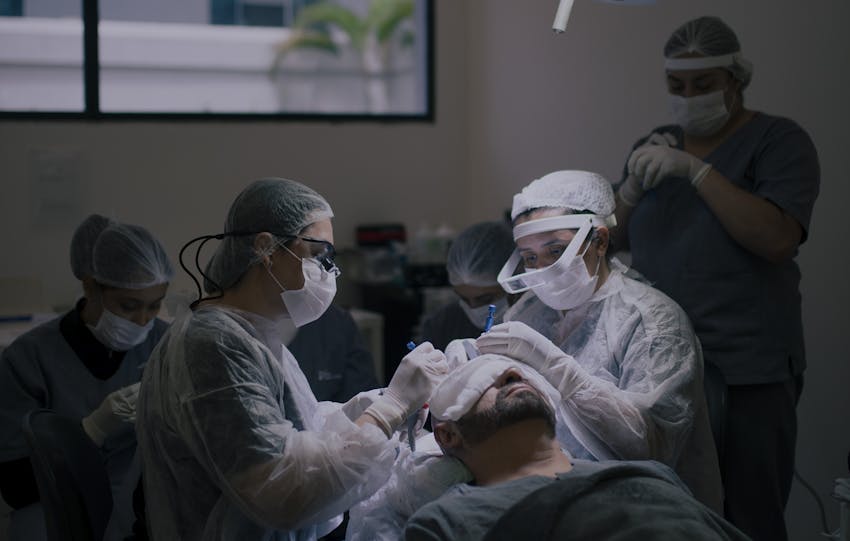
524, 405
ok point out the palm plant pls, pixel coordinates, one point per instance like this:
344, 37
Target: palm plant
370, 35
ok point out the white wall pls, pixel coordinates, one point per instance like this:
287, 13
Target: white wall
540, 102
514, 101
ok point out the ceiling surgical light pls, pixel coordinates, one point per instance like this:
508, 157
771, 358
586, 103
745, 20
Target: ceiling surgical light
562, 15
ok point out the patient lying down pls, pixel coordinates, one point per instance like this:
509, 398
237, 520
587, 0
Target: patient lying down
491, 415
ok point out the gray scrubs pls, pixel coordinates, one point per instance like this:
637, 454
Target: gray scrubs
745, 310
333, 355
446, 324
41, 370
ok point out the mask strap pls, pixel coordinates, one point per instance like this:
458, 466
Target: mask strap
293, 254
269, 271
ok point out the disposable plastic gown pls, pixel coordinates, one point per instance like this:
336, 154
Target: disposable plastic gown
235, 445
640, 394
417, 478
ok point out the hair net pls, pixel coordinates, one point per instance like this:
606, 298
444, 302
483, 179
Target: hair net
710, 36
573, 190
476, 256
128, 256
82, 244
275, 205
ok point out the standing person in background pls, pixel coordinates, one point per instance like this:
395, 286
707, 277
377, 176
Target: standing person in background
714, 209
87, 365
474, 260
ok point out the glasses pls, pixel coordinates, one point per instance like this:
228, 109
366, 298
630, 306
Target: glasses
325, 256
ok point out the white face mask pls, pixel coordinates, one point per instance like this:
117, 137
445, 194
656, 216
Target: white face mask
307, 304
478, 316
702, 115
117, 333
572, 287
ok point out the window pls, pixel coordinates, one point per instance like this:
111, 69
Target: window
356, 59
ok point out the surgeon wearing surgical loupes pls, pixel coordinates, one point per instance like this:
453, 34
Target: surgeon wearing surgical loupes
622, 354
713, 208
235, 445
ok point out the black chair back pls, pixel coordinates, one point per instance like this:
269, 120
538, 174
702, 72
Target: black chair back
72, 480
716, 396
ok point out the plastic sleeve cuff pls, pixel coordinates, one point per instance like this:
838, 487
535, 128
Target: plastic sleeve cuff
701, 174
95, 433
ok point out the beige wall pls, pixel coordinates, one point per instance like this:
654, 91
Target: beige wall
513, 102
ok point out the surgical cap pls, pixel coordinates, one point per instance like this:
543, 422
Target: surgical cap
710, 36
458, 393
574, 190
129, 257
476, 256
82, 244
279, 206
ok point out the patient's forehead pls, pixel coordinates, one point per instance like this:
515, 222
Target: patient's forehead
463, 387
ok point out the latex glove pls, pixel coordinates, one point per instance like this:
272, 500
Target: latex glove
113, 414
653, 164
457, 352
519, 341
419, 372
632, 188
358, 403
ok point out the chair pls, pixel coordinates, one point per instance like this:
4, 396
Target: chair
716, 394
72, 480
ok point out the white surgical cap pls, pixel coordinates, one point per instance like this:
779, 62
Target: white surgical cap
129, 257
82, 244
279, 206
717, 44
463, 387
572, 190
476, 256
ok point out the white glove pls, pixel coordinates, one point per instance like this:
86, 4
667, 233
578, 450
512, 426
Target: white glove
655, 163
419, 372
457, 352
112, 416
632, 188
519, 341
358, 403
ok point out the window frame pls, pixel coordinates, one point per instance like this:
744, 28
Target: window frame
91, 90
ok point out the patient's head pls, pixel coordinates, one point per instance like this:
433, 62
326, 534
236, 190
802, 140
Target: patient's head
486, 395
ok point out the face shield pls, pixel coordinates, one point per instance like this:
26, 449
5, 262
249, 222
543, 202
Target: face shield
584, 223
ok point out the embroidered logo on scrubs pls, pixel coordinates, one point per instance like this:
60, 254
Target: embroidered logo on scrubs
324, 375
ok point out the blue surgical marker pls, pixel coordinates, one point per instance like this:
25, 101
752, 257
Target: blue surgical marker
411, 421
491, 314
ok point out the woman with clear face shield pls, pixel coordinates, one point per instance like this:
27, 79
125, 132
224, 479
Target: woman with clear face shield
622, 354
234, 443
713, 209
87, 365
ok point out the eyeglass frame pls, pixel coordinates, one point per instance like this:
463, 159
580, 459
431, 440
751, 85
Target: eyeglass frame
325, 259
